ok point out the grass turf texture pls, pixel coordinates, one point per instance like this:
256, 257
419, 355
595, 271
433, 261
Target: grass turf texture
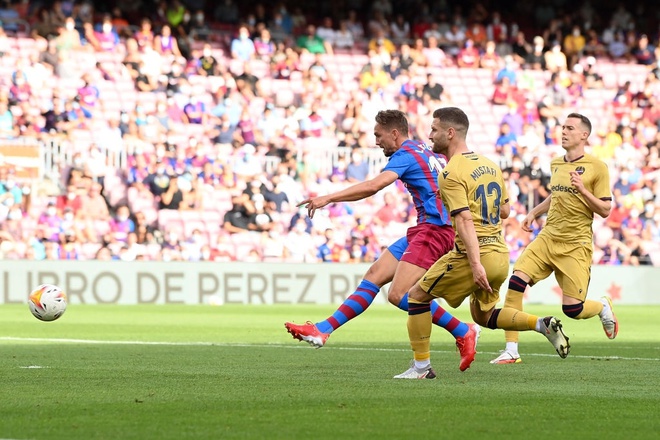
234, 372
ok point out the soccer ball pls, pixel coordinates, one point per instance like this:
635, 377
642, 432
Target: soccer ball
47, 302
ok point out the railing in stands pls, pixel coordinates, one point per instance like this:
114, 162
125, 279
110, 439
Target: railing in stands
55, 154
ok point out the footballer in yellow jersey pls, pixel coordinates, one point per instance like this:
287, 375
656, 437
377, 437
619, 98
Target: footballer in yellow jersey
569, 218
579, 188
471, 182
474, 192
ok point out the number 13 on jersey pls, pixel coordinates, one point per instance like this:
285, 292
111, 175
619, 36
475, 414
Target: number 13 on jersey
489, 198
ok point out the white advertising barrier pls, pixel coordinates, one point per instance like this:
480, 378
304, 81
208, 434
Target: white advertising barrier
97, 282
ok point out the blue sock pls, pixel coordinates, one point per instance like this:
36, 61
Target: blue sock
441, 318
403, 304
354, 305
446, 320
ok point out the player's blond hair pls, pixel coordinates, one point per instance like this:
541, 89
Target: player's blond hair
393, 119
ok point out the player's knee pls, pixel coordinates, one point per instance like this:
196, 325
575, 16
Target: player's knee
491, 322
572, 310
480, 319
394, 297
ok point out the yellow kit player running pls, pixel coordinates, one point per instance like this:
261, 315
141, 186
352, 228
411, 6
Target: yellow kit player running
474, 193
580, 187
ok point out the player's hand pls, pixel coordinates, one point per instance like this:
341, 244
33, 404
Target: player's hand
480, 278
527, 223
313, 204
576, 181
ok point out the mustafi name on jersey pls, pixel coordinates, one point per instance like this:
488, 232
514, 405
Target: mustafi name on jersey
482, 170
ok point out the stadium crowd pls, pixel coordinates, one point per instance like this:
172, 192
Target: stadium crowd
191, 130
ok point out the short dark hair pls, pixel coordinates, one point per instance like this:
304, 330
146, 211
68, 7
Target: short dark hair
585, 121
453, 116
393, 119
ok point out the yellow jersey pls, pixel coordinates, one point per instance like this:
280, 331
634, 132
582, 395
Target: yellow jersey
569, 217
473, 182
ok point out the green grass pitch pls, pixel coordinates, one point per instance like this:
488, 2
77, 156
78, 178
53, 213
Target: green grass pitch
232, 372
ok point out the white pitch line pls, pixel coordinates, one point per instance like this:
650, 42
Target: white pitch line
299, 346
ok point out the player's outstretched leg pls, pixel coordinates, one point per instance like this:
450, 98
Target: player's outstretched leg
551, 328
467, 346
466, 334
607, 318
307, 332
419, 332
414, 373
317, 334
514, 300
507, 357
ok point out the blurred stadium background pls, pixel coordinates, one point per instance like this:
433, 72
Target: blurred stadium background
189, 130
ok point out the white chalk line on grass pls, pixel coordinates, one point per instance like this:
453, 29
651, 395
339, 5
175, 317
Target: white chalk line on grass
295, 347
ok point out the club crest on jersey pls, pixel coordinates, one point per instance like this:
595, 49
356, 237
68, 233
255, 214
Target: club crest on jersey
580, 170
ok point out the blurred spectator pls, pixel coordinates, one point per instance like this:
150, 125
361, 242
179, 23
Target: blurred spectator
242, 47
172, 197
237, 218
312, 43
71, 199
476, 33
144, 36
521, 48
299, 244
68, 37
644, 53
489, 59
618, 48
354, 25
506, 137
195, 111
468, 56
574, 44
508, 71
436, 57
400, 29
555, 59
357, 170
264, 46
197, 27
326, 32
7, 128
496, 29
121, 225
374, 80
165, 43
344, 38
106, 39
536, 57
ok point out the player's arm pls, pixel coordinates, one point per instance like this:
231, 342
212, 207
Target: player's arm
535, 213
505, 207
358, 191
465, 229
505, 210
601, 207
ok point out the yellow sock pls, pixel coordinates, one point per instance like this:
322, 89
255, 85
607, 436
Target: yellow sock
590, 308
512, 319
513, 300
419, 332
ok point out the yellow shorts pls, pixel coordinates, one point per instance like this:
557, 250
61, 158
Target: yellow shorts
451, 279
571, 263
